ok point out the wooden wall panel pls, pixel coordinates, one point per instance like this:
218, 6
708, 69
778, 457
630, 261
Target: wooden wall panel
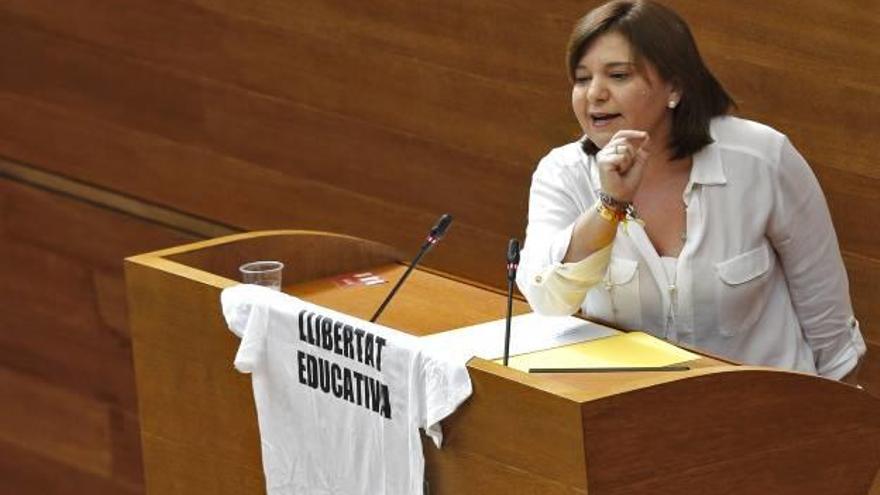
864, 278
66, 376
65, 426
248, 126
22, 471
359, 60
251, 197
329, 80
852, 198
54, 332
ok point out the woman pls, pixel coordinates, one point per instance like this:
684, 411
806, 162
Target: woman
672, 217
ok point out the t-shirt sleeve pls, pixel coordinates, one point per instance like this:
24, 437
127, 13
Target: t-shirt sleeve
444, 384
248, 319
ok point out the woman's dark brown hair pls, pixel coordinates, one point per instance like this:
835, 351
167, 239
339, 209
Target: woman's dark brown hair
659, 36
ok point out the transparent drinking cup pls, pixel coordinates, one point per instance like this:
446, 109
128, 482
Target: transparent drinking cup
265, 273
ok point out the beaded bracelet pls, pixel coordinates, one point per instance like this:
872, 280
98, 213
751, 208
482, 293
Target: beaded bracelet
613, 203
610, 215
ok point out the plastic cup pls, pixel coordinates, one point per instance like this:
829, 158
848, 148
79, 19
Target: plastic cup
265, 273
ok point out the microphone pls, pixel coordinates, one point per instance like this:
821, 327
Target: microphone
438, 231
512, 265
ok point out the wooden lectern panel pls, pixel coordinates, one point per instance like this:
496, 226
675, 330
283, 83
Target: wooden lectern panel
198, 422
715, 428
742, 431
517, 434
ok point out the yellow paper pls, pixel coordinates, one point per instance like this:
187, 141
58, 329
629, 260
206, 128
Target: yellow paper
624, 350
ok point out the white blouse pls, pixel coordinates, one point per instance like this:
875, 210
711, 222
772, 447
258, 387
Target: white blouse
759, 279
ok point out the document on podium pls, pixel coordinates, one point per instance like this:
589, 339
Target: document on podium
529, 332
625, 350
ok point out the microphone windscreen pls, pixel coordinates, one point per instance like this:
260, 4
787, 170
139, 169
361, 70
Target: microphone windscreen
441, 227
513, 251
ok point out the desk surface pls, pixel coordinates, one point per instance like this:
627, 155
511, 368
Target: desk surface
426, 303
431, 302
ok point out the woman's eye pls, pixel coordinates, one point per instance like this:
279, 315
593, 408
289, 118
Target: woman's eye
582, 79
619, 75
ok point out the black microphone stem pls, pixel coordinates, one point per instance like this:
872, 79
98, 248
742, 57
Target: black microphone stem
512, 265
507, 328
438, 231
427, 246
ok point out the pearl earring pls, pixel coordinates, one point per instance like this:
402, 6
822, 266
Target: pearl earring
672, 103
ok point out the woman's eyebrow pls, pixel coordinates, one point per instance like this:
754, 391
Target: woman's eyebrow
608, 65
614, 65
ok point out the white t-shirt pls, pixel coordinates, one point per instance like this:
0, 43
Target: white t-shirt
759, 279
339, 400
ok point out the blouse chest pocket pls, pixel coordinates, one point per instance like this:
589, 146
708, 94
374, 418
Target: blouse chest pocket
616, 298
743, 289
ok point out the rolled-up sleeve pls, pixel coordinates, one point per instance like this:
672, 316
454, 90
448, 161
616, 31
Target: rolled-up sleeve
560, 288
803, 235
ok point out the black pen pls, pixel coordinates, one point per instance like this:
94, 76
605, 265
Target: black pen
608, 370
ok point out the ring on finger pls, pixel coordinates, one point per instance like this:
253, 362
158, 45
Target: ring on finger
617, 150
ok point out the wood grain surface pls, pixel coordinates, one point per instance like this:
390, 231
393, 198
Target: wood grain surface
69, 420
733, 433
364, 118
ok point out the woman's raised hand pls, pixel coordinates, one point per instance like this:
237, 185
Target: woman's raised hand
622, 163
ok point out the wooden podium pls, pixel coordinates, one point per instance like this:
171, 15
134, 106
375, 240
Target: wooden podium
715, 429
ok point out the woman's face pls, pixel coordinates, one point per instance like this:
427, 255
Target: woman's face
611, 93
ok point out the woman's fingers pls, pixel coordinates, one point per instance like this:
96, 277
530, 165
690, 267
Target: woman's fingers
638, 167
622, 162
615, 162
629, 134
623, 148
620, 153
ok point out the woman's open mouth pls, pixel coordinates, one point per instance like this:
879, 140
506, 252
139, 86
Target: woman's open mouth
603, 119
